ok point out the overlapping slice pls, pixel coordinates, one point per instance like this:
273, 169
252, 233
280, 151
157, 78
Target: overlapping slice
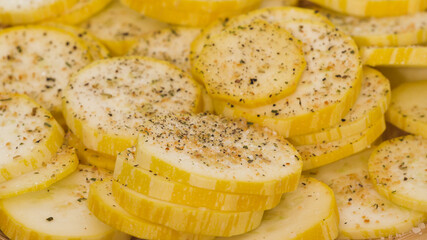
184, 218
30, 135
169, 44
408, 108
107, 114
251, 65
38, 61
104, 207
147, 182
58, 212
81, 11
328, 87
60, 166
363, 212
374, 8
310, 212
370, 106
398, 170
23, 12
413, 56
220, 154
191, 13
119, 27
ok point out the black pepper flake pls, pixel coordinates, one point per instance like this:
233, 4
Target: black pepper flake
81, 199
47, 124
253, 80
49, 219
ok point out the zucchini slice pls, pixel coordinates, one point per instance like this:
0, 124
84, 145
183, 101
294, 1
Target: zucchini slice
398, 170
119, 27
30, 135
60, 166
310, 212
370, 106
413, 56
189, 12
317, 155
220, 154
58, 212
363, 212
322, 97
183, 218
104, 207
168, 44
107, 114
147, 182
81, 11
251, 65
408, 108
41, 68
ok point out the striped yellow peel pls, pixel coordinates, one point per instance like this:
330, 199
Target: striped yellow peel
411, 56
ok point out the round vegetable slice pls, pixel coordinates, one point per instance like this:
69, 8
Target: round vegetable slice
374, 8
58, 212
147, 182
41, 68
397, 168
310, 212
184, 218
60, 166
370, 106
251, 64
119, 27
81, 11
104, 207
363, 212
323, 96
106, 115
317, 155
23, 12
30, 135
189, 12
220, 154
414, 56
169, 44
408, 108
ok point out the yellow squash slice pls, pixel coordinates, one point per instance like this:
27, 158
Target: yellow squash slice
408, 108
278, 3
184, 218
60, 166
189, 12
107, 114
38, 61
363, 212
119, 27
374, 8
81, 11
413, 56
323, 97
147, 182
370, 106
30, 136
104, 207
169, 44
317, 155
220, 154
59, 212
251, 65
398, 170
310, 212
23, 11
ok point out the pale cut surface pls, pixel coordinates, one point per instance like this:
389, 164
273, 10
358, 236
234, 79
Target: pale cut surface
398, 169
58, 212
169, 44
251, 64
30, 135
364, 213
38, 61
309, 212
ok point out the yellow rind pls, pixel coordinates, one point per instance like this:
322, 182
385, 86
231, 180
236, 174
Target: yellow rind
415, 56
16, 186
184, 218
365, 139
189, 12
148, 183
81, 11
102, 204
